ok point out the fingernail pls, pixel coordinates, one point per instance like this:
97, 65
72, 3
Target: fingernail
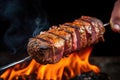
116, 28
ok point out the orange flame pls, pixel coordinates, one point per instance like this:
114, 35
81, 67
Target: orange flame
68, 67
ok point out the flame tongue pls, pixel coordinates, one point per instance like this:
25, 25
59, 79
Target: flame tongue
68, 67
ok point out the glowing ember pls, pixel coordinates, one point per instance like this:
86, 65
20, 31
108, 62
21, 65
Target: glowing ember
68, 67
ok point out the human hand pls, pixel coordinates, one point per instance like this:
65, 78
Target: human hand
115, 17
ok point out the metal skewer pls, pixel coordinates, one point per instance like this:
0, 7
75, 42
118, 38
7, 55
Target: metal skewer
106, 24
14, 63
26, 58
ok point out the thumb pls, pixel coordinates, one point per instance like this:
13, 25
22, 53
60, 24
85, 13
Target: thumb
115, 17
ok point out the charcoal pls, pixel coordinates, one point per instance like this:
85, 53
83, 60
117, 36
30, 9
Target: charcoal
1, 79
91, 76
84, 76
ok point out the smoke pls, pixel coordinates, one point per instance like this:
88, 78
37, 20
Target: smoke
40, 25
27, 19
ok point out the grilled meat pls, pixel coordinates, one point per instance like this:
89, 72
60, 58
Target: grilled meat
50, 46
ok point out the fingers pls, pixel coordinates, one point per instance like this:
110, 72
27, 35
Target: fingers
115, 17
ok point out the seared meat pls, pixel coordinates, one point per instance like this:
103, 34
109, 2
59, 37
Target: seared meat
50, 46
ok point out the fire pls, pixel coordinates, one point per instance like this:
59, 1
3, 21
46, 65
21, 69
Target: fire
75, 63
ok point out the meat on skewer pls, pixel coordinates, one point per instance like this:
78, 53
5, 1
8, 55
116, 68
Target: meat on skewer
50, 46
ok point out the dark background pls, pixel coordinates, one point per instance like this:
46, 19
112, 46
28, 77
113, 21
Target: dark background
60, 11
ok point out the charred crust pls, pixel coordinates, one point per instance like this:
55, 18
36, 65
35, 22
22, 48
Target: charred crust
50, 46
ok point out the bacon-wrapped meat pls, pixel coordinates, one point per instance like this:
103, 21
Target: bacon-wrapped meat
50, 46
